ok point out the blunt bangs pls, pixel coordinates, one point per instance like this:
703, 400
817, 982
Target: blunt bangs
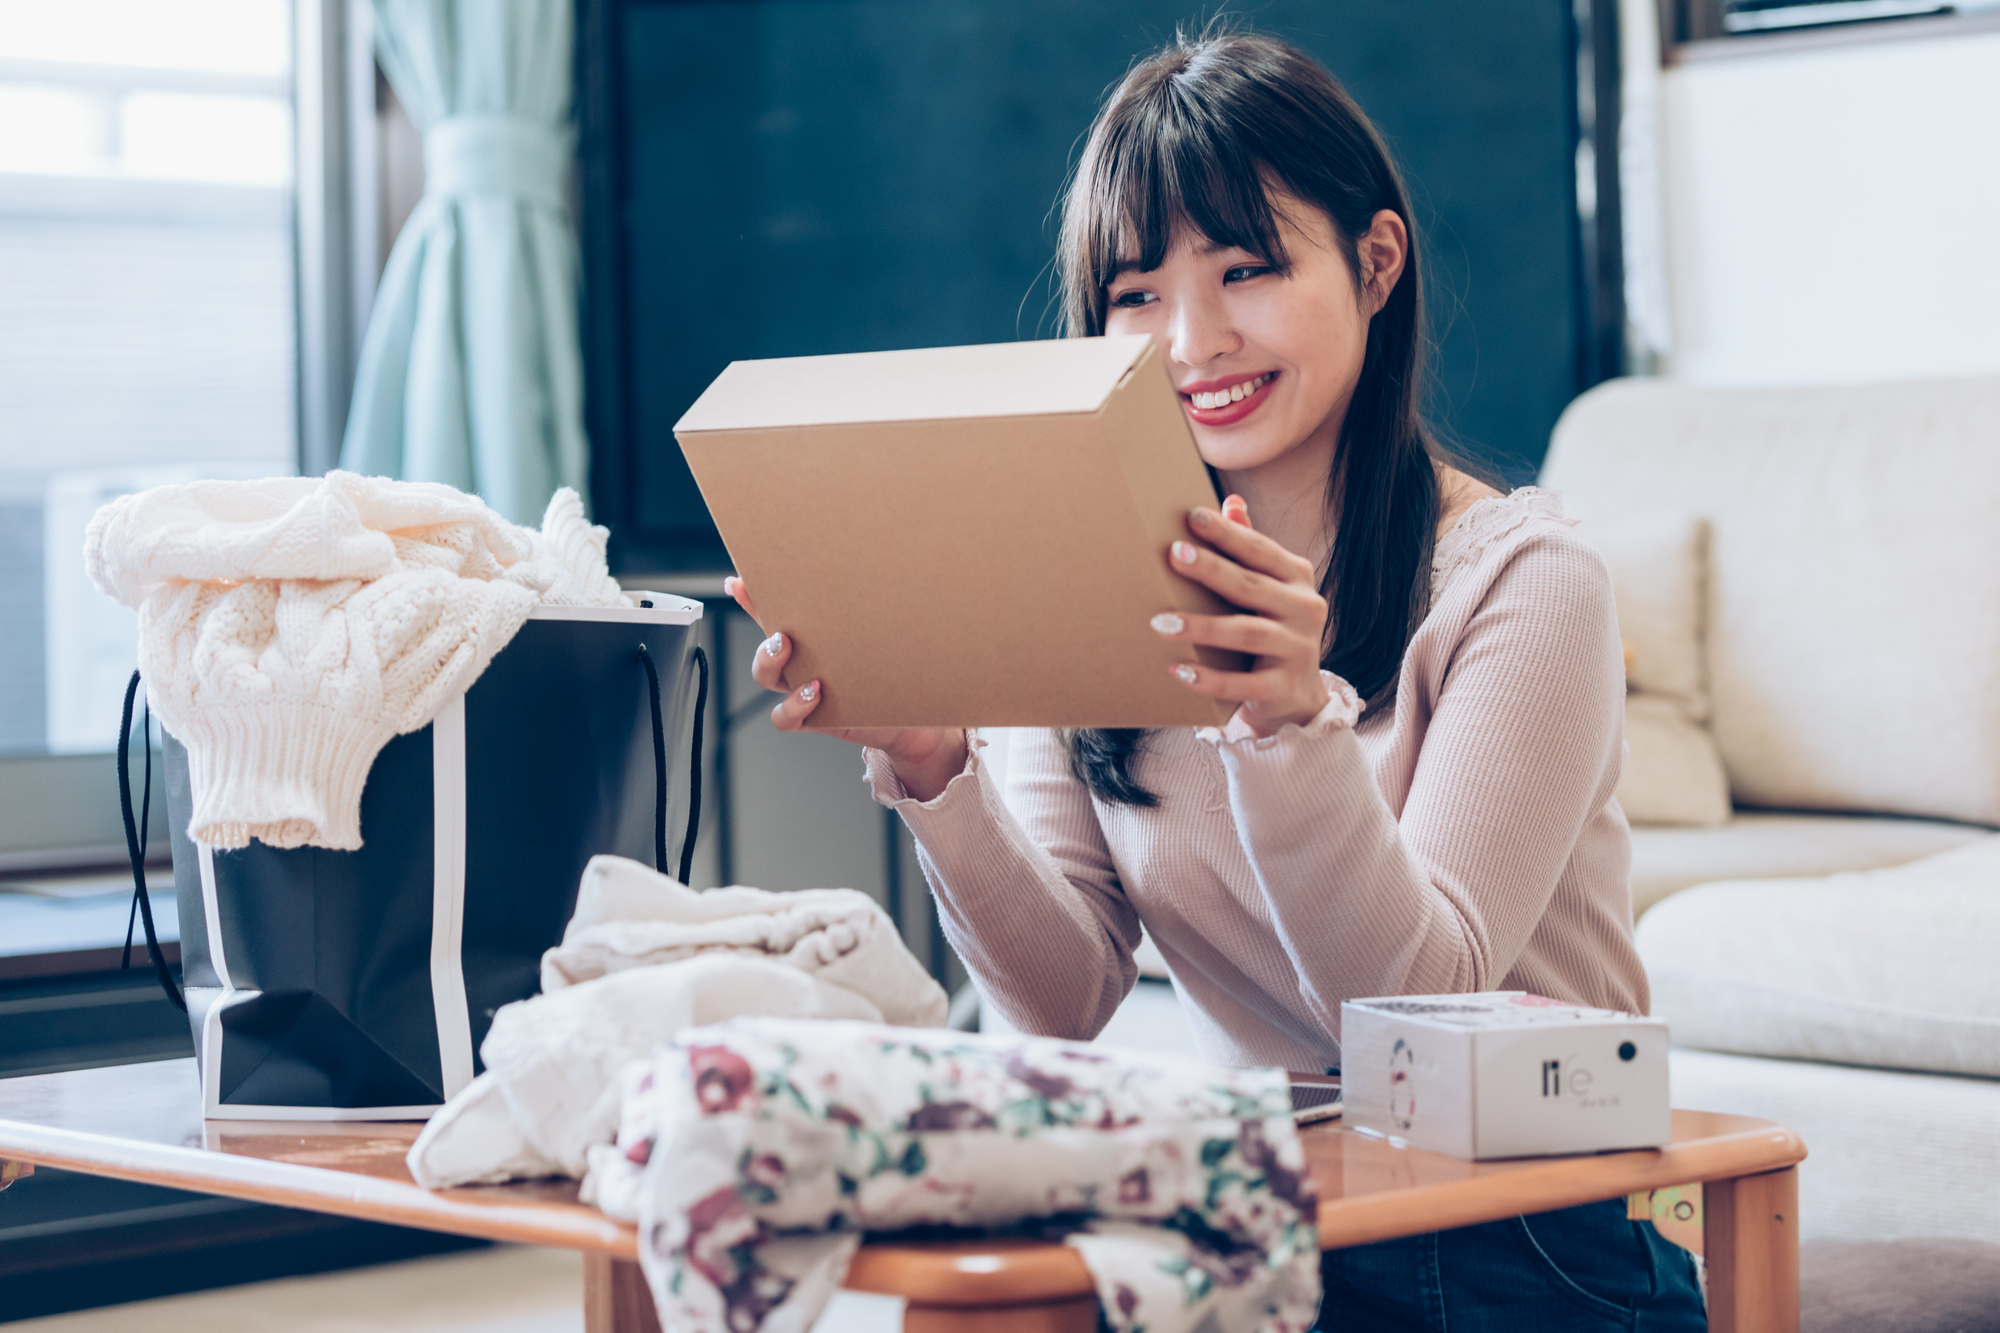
1168, 169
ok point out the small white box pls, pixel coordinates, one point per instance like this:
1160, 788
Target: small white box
1504, 1074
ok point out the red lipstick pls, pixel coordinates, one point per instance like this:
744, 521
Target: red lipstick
1229, 410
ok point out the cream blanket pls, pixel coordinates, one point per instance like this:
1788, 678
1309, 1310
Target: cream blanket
644, 958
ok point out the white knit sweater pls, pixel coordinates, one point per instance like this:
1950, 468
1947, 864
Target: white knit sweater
288, 628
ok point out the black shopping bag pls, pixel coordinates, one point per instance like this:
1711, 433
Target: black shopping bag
328, 985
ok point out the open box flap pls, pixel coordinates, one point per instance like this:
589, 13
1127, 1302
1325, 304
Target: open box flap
1049, 377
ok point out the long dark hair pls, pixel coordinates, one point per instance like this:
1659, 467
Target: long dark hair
1193, 137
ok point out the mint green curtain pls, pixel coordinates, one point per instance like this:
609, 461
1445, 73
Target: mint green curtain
471, 372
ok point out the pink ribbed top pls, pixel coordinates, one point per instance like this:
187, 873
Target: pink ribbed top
1462, 838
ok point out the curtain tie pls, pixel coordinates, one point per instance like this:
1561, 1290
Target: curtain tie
470, 155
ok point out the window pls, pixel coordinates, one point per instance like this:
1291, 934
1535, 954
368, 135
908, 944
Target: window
1816, 22
147, 323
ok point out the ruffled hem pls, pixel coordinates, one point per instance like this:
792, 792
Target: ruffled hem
1488, 521
887, 788
1342, 711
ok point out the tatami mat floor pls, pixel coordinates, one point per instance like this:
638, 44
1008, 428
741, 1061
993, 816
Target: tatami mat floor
508, 1289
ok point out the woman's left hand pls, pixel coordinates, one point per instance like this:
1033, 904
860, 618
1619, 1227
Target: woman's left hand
1282, 628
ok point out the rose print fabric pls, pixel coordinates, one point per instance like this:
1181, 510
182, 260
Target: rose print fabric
779, 1142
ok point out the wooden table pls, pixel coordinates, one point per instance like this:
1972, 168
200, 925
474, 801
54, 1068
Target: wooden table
143, 1122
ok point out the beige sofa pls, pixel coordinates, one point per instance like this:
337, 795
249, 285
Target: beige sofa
1809, 582
1813, 579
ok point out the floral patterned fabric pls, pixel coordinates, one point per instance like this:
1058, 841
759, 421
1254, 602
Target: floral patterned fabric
1181, 1184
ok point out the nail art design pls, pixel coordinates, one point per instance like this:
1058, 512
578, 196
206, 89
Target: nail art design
1198, 517
774, 645
1168, 623
1184, 552
808, 693
1184, 673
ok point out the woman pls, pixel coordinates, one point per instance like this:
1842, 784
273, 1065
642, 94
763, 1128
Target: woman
1415, 792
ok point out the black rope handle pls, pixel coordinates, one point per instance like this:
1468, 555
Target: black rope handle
660, 766
135, 842
694, 767
145, 829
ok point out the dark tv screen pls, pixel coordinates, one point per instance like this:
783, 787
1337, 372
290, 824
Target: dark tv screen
793, 177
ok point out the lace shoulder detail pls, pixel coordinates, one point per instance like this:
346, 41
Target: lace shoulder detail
1490, 520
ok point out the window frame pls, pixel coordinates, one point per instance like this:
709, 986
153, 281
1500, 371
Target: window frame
61, 811
1691, 30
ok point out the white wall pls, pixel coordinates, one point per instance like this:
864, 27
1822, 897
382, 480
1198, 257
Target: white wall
1833, 216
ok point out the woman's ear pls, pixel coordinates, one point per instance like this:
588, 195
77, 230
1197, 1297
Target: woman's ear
1383, 250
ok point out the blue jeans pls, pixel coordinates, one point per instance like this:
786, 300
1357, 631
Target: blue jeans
1575, 1270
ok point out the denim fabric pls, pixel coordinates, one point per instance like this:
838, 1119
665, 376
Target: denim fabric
1576, 1270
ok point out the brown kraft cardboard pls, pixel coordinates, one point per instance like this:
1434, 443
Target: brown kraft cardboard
964, 536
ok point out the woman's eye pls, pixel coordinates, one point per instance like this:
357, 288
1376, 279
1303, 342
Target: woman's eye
1131, 300
1244, 271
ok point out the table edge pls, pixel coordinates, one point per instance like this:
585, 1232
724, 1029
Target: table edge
924, 1273
292, 1185
1423, 1208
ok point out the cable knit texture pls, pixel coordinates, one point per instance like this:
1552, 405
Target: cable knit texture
1463, 838
288, 628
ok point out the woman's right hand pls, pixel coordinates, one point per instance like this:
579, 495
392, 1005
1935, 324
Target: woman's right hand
924, 758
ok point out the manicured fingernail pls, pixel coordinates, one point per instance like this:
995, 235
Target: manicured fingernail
1184, 552
774, 645
1184, 673
1169, 623
808, 692
1198, 517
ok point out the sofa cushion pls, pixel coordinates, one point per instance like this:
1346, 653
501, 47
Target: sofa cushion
1891, 1154
1891, 968
1899, 1286
1764, 845
1658, 572
1672, 775
1854, 576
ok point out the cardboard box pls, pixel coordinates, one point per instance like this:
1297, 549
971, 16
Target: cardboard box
1504, 1074
964, 536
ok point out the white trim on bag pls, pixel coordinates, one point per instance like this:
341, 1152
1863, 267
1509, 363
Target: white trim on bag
231, 1111
454, 1020
211, 917
208, 1052
666, 609
209, 1057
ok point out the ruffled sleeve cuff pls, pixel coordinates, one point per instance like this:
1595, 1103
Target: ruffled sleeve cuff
887, 788
1343, 709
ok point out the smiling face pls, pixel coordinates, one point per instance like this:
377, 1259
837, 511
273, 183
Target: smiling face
1212, 158
1265, 359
